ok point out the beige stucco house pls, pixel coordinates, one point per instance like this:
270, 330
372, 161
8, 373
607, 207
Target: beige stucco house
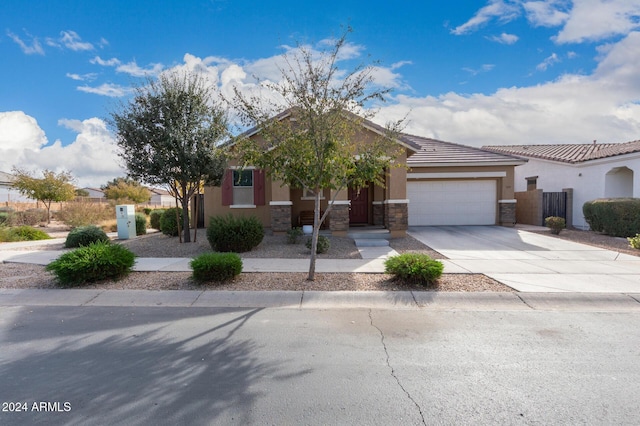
442, 184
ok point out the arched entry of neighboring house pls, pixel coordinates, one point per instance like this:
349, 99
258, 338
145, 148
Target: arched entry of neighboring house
618, 182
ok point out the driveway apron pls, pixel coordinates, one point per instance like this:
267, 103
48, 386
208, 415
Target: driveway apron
531, 262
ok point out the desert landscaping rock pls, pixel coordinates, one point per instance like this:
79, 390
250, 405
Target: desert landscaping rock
13, 275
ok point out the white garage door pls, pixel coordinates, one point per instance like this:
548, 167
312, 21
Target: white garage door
455, 202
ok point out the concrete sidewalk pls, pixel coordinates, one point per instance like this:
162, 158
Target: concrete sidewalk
407, 300
176, 264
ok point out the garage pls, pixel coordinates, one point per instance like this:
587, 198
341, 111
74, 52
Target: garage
452, 202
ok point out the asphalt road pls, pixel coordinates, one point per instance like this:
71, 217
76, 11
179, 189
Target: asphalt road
200, 366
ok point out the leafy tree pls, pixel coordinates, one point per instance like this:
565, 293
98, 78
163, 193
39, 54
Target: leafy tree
313, 144
50, 188
169, 135
123, 188
82, 192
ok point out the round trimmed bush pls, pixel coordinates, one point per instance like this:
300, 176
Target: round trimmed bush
618, 217
154, 218
415, 268
234, 234
141, 224
84, 235
96, 262
216, 266
555, 224
168, 223
323, 245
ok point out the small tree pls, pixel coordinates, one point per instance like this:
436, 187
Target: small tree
313, 145
169, 135
50, 188
123, 188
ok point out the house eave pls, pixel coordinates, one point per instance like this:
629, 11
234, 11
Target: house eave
467, 164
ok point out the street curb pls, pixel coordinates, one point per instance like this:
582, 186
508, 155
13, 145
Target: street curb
380, 300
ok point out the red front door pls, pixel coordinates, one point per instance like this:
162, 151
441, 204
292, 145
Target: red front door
359, 211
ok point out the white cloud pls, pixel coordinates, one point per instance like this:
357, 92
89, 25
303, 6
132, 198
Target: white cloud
503, 10
600, 19
34, 48
105, 63
71, 40
548, 13
483, 68
573, 109
106, 89
20, 131
505, 38
134, 70
90, 157
580, 20
548, 61
83, 77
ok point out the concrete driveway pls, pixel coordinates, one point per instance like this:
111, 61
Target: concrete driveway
531, 262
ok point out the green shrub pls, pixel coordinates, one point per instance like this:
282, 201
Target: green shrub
414, 267
293, 235
555, 223
154, 218
141, 224
85, 235
168, 223
98, 261
147, 210
618, 217
22, 233
216, 266
234, 234
634, 241
323, 245
6, 218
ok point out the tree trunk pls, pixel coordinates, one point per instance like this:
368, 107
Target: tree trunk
185, 219
48, 206
178, 221
314, 237
195, 209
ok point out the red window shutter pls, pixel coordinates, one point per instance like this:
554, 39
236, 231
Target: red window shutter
227, 188
258, 188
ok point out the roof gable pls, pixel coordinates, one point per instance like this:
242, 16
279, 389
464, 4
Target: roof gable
367, 124
569, 153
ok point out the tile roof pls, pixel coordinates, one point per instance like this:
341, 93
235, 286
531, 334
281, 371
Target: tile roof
569, 153
434, 152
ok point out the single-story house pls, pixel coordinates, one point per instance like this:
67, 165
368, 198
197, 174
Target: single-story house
94, 192
591, 171
443, 184
8, 194
161, 198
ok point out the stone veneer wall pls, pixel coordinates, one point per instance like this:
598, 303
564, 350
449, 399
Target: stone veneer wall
507, 214
396, 216
280, 218
339, 215
378, 214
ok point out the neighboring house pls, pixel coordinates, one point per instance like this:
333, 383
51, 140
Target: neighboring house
94, 192
161, 198
444, 184
595, 170
8, 194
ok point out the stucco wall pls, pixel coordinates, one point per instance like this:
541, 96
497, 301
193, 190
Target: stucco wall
587, 179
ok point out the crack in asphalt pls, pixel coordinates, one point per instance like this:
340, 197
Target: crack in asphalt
393, 372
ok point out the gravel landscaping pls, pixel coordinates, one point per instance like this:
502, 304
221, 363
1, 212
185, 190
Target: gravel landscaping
14, 275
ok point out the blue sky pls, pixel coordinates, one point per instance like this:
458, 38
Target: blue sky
482, 72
